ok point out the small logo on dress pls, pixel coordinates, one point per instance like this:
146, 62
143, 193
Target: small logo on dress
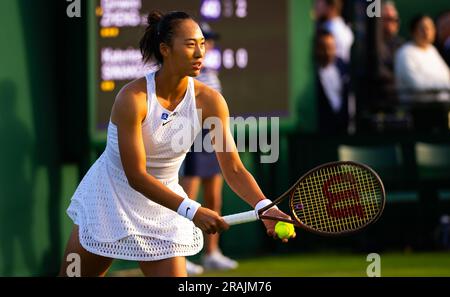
165, 123
166, 117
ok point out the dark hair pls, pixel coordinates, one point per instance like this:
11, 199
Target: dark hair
415, 21
336, 4
161, 28
442, 15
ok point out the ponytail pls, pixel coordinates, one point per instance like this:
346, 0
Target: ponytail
160, 29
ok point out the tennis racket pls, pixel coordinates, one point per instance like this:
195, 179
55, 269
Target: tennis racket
332, 199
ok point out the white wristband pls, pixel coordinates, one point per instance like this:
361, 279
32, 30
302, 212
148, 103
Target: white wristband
264, 203
188, 208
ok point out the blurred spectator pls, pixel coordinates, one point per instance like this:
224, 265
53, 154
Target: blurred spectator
442, 232
388, 45
418, 65
328, 16
443, 35
332, 85
445, 232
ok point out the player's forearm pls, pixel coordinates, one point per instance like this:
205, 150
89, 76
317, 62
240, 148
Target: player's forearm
244, 185
154, 190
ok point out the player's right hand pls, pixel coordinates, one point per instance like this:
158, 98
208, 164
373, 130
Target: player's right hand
209, 221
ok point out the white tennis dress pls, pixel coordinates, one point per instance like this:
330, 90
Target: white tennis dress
115, 220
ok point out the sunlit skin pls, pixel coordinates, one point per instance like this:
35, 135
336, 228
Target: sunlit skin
182, 58
425, 33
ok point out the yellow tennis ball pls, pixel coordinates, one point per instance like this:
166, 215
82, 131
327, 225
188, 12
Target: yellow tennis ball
284, 230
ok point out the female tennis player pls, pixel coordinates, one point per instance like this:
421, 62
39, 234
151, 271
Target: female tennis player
129, 205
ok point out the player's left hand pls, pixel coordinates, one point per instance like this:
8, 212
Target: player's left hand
270, 224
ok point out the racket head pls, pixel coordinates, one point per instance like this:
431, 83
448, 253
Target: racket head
338, 198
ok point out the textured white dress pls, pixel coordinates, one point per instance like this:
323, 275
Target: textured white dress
115, 220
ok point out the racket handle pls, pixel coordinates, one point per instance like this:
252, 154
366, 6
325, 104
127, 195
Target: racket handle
242, 217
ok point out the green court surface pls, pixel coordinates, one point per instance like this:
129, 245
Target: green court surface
334, 265
427, 264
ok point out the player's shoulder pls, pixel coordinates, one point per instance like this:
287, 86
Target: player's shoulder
133, 90
132, 98
207, 96
134, 93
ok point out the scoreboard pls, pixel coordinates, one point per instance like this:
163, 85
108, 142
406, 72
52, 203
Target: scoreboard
251, 55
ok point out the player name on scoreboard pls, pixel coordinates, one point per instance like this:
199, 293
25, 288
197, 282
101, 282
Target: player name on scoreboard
241, 56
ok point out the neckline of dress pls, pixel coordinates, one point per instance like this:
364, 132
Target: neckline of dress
155, 97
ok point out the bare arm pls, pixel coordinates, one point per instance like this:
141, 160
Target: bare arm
128, 113
234, 172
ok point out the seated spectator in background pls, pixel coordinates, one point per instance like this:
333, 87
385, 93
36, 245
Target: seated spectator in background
332, 85
328, 16
418, 65
388, 45
443, 35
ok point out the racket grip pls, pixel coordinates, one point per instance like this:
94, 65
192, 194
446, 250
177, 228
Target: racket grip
240, 218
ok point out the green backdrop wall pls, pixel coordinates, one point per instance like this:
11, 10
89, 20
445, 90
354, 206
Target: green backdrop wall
38, 104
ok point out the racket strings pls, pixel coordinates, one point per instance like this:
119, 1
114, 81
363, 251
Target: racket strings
338, 198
